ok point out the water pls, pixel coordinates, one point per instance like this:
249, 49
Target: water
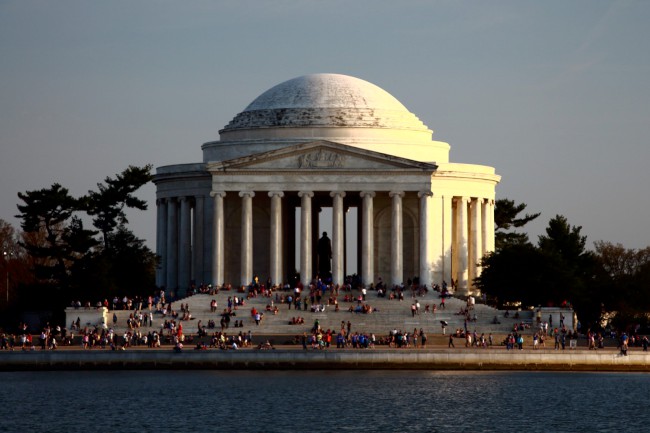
322, 401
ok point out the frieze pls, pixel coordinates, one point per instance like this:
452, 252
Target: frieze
321, 159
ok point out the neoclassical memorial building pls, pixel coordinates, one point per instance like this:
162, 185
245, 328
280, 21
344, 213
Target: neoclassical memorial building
252, 207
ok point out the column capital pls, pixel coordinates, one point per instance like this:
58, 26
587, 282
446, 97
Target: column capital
396, 193
370, 194
276, 193
309, 194
221, 194
243, 194
160, 201
425, 193
339, 193
463, 199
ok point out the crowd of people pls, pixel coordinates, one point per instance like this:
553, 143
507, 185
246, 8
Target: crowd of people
317, 297
320, 339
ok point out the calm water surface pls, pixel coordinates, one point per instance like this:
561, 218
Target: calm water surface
323, 401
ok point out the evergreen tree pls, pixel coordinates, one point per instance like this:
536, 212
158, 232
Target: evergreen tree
128, 268
107, 205
515, 273
563, 241
58, 238
506, 218
133, 264
70, 258
557, 271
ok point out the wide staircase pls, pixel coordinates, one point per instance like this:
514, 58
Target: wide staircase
387, 315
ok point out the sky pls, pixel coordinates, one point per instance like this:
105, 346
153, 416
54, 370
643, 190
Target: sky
554, 94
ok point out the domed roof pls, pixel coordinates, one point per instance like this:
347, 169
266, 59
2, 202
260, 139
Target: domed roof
325, 91
326, 100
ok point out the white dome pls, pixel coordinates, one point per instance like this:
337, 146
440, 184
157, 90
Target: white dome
330, 107
325, 91
326, 100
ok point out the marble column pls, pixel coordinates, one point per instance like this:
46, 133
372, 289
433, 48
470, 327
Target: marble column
172, 246
338, 237
185, 254
305, 237
490, 226
436, 240
218, 224
246, 237
396, 238
315, 234
484, 225
426, 238
276, 236
367, 238
447, 239
476, 238
161, 242
197, 242
462, 245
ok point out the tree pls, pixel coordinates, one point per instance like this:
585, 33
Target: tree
128, 268
576, 274
563, 241
107, 205
68, 261
124, 262
557, 270
563, 247
8, 238
506, 218
47, 209
133, 263
59, 237
514, 273
619, 262
14, 267
625, 277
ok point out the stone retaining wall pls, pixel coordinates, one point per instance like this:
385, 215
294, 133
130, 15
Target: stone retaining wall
87, 316
315, 360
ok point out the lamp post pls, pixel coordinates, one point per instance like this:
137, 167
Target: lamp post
7, 255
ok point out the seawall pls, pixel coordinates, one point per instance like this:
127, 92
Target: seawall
578, 360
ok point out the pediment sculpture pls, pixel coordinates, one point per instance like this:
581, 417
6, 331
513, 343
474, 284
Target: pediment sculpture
321, 159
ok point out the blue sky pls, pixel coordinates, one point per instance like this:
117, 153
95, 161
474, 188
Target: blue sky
554, 94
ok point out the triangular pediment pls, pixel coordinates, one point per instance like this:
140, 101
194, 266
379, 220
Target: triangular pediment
321, 155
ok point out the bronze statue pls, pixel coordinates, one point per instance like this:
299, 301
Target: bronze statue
324, 256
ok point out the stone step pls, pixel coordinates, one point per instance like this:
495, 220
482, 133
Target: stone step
391, 314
